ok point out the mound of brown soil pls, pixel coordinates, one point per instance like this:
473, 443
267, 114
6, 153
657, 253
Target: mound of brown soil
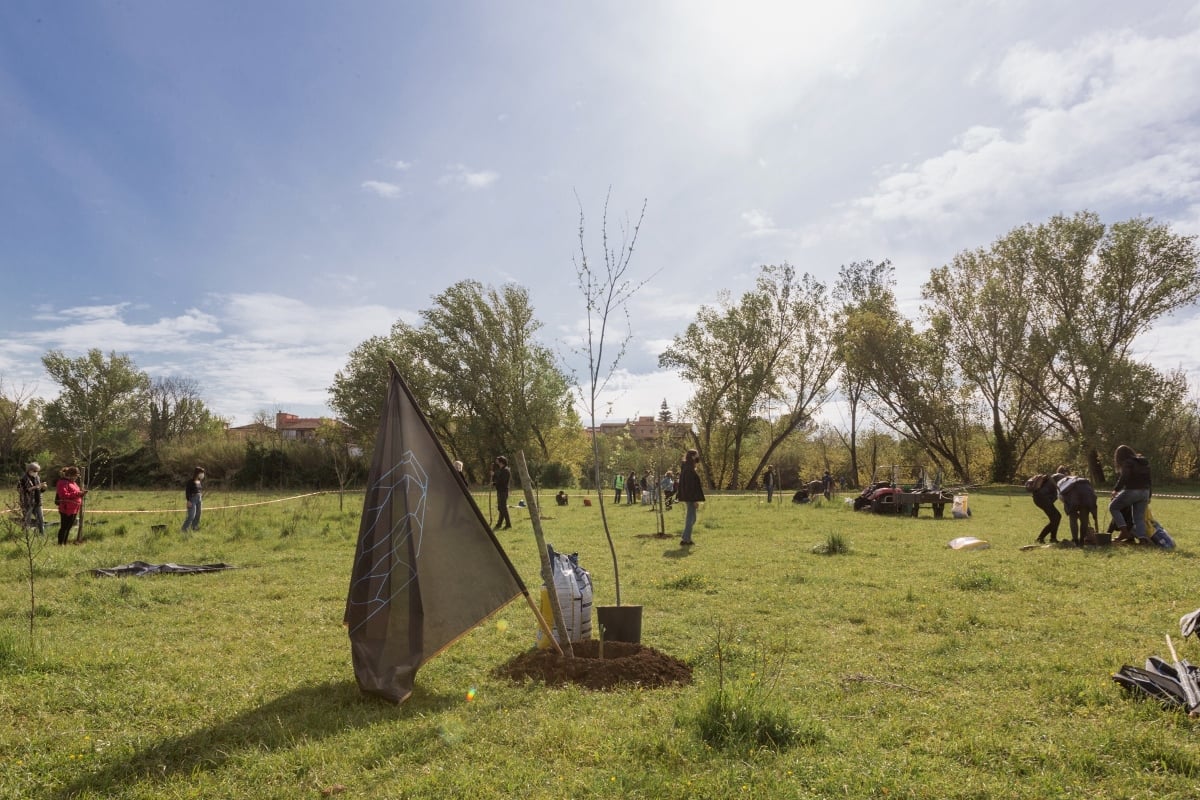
623, 664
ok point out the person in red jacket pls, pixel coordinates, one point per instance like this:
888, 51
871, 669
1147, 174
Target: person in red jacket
69, 498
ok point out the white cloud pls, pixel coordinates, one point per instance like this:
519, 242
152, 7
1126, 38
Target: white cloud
248, 352
629, 395
461, 175
759, 222
1115, 118
381, 188
401, 166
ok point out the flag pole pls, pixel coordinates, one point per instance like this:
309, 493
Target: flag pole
535, 517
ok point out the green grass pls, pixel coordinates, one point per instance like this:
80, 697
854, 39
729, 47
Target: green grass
900, 668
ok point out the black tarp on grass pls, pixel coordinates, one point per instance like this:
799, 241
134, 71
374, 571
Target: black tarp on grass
139, 568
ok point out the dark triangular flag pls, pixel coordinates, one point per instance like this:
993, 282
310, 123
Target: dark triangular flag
427, 567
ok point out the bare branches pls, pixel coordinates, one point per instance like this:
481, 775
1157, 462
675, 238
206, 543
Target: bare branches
606, 294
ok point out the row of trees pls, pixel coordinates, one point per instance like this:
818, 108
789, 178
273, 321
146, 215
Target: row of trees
122, 427
1021, 358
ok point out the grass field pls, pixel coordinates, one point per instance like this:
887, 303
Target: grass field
906, 669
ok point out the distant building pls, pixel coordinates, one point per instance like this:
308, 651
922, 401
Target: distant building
255, 430
287, 426
647, 429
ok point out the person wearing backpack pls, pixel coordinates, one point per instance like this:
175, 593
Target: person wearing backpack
31, 487
1079, 502
1044, 489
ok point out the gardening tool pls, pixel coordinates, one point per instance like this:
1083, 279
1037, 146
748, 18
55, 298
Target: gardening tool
1187, 680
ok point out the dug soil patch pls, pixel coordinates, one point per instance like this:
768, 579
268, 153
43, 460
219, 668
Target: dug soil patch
623, 664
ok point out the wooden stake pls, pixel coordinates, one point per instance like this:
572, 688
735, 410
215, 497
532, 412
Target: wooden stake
535, 518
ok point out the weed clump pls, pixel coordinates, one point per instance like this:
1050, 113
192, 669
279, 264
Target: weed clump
739, 715
834, 545
739, 719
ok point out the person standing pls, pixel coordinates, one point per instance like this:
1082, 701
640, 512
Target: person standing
769, 482
32, 486
827, 485
193, 491
501, 477
69, 498
619, 485
668, 489
1131, 494
630, 487
690, 492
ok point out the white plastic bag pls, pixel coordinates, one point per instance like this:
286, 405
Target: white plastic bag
961, 508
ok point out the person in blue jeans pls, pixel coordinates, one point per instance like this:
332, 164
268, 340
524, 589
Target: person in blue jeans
690, 492
193, 491
1131, 494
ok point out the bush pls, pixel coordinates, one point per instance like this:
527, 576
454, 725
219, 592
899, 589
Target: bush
835, 544
732, 720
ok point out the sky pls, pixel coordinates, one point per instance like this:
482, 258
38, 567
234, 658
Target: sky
241, 193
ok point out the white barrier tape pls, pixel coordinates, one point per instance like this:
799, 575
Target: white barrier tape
203, 507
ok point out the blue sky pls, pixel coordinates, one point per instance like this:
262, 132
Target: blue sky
242, 192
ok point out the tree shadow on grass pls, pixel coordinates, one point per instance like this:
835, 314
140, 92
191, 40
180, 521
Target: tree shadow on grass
301, 716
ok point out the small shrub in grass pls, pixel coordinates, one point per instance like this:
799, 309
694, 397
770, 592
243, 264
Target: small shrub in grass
834, 544
740, 715
739, 720
686, 582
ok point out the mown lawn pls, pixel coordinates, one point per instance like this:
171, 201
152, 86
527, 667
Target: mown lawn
908, 669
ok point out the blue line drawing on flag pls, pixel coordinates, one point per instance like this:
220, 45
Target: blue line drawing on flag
409, 479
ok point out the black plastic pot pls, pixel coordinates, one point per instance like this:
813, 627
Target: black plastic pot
620, 623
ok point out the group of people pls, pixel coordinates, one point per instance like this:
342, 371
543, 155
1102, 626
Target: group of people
1128, 505
68, 497
683, 487
646, 489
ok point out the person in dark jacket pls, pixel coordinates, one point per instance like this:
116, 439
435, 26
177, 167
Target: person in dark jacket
690, 492
1131, 494
1044, 489
193, 493
1079, 502
501, 477
31, 487
769, 482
